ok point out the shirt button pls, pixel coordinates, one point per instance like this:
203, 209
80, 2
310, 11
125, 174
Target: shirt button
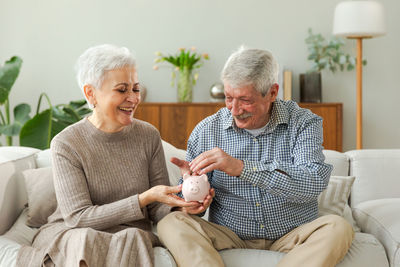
254, 184
255, 139
261, 226
257, 204
254, 168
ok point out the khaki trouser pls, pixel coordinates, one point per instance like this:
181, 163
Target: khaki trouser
195, 242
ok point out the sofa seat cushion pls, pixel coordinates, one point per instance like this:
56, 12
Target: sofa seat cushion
364, 251
381, 218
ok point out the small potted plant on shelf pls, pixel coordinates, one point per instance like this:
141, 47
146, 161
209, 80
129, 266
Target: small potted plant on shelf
324, 55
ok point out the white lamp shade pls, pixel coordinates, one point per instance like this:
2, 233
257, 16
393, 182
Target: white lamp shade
359, 19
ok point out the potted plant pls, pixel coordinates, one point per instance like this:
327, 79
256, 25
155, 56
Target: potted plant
324, 55
185, 61
40, 130
8, 75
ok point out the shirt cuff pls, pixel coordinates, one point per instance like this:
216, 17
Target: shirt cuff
137, 211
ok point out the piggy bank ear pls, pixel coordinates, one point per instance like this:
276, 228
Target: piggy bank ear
185, 176
204, 177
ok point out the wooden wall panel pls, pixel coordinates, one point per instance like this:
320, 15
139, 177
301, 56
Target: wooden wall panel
175, 121
149, 112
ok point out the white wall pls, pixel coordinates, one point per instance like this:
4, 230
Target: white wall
49, 35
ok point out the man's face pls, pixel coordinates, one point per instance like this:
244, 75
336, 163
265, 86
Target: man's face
249, 108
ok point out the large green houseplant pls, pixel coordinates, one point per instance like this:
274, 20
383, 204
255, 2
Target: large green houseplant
40, 130
37, 131
325, 55
8, 75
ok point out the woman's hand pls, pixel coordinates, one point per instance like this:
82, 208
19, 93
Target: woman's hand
164, 194
182, 164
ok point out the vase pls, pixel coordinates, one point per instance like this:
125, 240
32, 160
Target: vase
185, 85
310, 87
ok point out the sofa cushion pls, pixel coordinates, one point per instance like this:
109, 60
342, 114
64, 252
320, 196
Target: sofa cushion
377, 174
20, 232
43, 158
41, 195
8, 252
364, 251
9, 153
334, 198
339, 161
381, 218
170, 151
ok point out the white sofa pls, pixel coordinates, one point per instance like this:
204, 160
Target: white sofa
375, 205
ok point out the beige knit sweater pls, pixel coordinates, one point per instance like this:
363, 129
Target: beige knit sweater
98, 175
97, 179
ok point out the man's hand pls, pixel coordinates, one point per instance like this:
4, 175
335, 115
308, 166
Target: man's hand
201, 206
216, 159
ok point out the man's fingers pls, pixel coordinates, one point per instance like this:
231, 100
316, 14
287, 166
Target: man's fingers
212, 192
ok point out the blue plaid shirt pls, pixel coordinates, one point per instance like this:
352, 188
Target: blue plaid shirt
263, 203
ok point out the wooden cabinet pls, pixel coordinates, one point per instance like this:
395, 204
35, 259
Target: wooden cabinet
175, 121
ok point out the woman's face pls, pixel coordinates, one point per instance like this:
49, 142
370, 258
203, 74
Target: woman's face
117, 99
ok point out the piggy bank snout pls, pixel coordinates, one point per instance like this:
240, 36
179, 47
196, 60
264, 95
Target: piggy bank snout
194, 189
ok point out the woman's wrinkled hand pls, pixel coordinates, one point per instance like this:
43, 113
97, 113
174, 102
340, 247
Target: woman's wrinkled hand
164, 194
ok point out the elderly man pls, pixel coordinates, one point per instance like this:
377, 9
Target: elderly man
263, 157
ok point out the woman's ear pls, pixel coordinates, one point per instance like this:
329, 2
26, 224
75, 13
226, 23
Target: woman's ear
90, 94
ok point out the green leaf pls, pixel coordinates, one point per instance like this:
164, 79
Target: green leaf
3, 95
83, 111
37, 131
10, 130
8, 74
21, 113
77, 104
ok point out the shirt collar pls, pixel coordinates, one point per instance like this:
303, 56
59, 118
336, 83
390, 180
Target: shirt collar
279, 115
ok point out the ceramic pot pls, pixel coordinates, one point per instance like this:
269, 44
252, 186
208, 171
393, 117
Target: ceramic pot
310, 87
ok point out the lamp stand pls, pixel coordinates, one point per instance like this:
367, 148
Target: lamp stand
359, 92
359, 133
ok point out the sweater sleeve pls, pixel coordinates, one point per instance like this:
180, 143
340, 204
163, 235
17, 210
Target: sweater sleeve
158, 175
74, 199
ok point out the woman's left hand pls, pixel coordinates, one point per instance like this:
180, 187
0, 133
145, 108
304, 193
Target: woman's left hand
164, 194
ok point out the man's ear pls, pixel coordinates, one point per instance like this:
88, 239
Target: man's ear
89, 93
273, 92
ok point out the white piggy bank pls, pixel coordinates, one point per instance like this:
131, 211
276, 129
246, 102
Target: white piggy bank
195, 188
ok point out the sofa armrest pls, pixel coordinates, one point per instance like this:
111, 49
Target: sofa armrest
13, 196
381, 218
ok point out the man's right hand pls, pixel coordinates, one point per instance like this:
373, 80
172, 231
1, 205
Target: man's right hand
201, 207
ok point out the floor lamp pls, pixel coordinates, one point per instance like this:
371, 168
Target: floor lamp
359, 20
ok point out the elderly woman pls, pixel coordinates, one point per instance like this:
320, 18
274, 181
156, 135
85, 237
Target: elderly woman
110, 175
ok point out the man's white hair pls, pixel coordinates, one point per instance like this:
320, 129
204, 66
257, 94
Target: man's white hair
251, 66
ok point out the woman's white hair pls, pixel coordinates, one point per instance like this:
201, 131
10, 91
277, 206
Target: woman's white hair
97, 60
251, 66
